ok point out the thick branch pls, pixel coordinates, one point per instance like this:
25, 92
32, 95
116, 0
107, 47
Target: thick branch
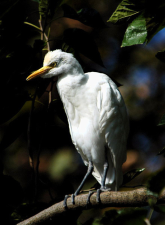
136, 198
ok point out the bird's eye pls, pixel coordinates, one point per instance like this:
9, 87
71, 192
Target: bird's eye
54, 64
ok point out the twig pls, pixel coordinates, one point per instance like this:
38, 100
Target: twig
30, 24
43, 33
41, 28
30, 127
135, 198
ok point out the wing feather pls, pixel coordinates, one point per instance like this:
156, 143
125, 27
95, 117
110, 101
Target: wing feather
113, 124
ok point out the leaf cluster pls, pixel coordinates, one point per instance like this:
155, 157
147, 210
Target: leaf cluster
144, 18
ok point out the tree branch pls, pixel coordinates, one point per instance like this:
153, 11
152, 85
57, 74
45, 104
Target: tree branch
135, 198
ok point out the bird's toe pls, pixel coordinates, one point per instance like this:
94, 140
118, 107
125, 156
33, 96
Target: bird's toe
101, 189
88, 199
98, 196
73, 199
65, 201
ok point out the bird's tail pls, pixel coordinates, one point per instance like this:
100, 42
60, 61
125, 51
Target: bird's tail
114, 174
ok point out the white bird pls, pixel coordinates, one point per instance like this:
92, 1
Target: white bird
97, 117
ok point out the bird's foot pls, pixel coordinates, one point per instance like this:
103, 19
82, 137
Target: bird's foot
72, 199
88, 199
65, 201
99, 191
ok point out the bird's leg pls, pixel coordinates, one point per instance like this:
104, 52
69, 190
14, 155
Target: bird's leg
89, 171
104, 175
103, 187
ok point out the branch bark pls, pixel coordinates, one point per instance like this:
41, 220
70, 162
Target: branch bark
135, 198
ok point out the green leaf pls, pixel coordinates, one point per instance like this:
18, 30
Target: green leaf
150, 21
125, 10
162, 121
156, 182
83, 43
131, 175
136, 32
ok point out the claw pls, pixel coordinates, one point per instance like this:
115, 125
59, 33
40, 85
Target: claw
98, 193
88, 199
73, 197
65, 201
98, 196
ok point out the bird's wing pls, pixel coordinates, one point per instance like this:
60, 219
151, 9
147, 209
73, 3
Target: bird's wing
113, 123
73, 118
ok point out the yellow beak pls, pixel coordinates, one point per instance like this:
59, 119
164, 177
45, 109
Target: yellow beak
39, 72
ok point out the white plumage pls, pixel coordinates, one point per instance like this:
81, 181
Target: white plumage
96, 113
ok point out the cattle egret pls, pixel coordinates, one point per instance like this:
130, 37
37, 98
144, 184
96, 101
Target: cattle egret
97, 118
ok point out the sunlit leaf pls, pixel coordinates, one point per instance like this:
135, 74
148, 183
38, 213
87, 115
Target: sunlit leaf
125, 10
145, 20
131, 175
136, 32
83, 42
156, 182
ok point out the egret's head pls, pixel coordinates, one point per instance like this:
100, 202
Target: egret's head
55, 63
